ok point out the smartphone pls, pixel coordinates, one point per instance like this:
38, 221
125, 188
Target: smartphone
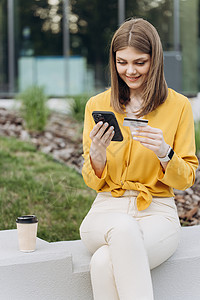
109, 117
135, 122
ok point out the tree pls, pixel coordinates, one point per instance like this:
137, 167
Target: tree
39, 23
3, 48
96, 22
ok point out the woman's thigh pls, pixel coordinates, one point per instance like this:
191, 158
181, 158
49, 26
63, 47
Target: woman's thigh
96, 228
105, 213
161, 237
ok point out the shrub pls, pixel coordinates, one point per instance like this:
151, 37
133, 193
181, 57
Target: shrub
197, 136
78, 106
34, 110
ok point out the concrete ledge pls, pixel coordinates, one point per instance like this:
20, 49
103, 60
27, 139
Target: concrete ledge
60, 271
179, 277
48, 273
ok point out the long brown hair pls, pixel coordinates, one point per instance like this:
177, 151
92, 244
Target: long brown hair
141, 35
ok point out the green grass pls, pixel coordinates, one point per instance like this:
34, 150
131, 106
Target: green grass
197, 136
33, 183
78, 107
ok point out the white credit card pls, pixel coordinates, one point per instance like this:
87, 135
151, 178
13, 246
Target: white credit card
135, 122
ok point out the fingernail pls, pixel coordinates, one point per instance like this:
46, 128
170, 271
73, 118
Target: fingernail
111, 127
100, 123
105, 124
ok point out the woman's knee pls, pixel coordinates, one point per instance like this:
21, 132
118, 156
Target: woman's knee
125, 226
100, 259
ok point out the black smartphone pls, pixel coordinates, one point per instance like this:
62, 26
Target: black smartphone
109, 117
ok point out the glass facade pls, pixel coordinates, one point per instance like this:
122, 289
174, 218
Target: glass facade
189, 24
3, 47
40, 35
160, 14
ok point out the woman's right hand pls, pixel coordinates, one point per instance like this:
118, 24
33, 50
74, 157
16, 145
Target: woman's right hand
100, 141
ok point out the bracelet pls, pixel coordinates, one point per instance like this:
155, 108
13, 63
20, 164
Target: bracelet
168, 156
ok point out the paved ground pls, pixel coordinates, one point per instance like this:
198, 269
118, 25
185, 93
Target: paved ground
61, 105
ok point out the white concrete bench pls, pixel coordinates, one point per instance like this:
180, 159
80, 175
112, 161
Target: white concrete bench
60, 271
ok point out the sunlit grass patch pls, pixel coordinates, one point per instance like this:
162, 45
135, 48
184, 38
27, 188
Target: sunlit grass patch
33, 183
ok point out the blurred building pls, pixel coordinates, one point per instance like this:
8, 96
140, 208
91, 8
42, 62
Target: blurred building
64, 45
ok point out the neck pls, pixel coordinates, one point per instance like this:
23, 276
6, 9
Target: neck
133, 105
135, 100
136, 94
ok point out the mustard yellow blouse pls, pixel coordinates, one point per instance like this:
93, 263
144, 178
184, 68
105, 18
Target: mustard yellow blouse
131, 166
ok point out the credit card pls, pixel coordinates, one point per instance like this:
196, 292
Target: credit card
135, 122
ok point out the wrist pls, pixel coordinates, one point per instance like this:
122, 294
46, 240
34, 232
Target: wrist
95, 154
98, 166
165, 153
168, 156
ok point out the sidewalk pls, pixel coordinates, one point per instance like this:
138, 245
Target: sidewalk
56, 104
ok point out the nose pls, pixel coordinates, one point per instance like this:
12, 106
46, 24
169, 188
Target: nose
131, 70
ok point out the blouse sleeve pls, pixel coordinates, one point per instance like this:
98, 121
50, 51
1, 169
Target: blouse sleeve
180, 171
88, 173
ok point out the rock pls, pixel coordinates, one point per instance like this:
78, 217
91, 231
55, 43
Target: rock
189, 191
196, 197
63, 154
191, 213
24, 136
188, 199
60, 142
48, 135
194, 222
180, 198
47, 149
179, 192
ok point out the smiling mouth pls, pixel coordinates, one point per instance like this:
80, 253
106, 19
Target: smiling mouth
133, 78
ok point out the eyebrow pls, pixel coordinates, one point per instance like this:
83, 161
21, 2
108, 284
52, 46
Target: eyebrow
140, 58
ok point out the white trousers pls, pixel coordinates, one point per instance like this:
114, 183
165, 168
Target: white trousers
126, 244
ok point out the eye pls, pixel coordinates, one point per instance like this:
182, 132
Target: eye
121, 62
140, 63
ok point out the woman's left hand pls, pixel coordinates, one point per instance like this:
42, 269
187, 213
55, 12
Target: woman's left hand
151, 138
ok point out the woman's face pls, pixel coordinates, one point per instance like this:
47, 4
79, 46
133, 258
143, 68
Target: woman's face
133, 67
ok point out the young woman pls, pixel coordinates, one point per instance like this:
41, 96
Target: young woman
133, 225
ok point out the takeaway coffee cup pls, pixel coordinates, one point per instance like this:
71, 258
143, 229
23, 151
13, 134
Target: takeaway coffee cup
27, 232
